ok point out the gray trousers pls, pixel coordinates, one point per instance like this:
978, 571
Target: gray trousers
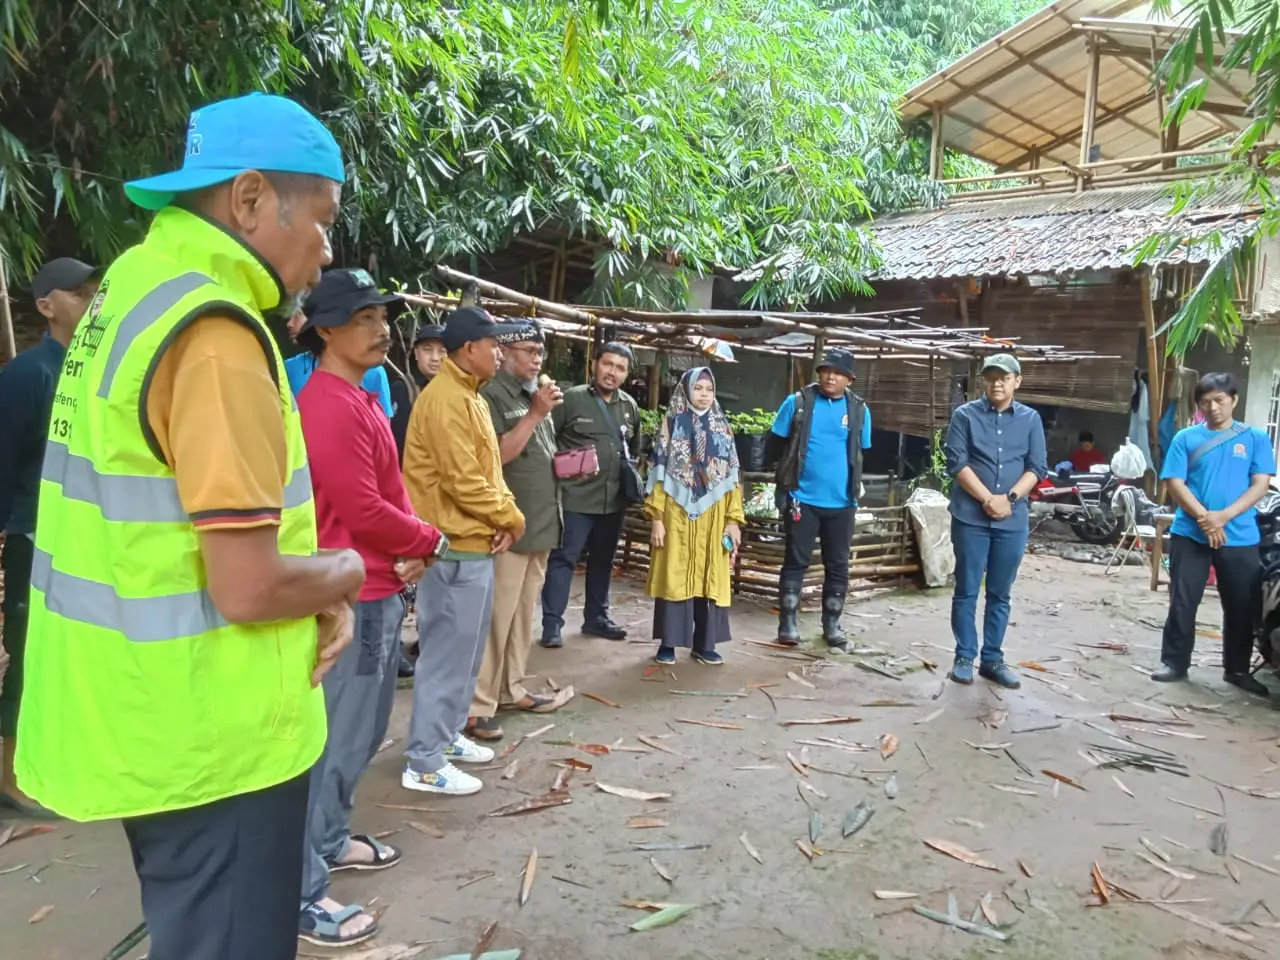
455, 606
358, 693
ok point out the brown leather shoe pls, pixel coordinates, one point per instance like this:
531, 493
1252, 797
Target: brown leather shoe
484, 728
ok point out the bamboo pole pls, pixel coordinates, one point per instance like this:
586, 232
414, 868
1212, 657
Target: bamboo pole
1153, 356
937, 145
6, 315
1090, 105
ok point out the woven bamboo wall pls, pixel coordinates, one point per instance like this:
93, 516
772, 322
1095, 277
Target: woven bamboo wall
883, 550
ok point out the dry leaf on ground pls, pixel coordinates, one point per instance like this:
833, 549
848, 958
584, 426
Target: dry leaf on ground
661, 871
40, 914
1100, 884
963, 854
645, 823
657, 744
595, 749
1018, 790
486, 938
820, 721
888, 746
1022, 865
746, 845
630, 794
1122, 787
807, 850
800, 768
931, 717
599, 699
712, 723
430, 829
511, 769
894, 895
1062, 778
792, 675
556, 798
530, 871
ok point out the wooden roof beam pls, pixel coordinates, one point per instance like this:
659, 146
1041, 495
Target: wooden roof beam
1081, 94
1106, 115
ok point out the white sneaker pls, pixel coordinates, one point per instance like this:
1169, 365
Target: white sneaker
463, 750
448, 780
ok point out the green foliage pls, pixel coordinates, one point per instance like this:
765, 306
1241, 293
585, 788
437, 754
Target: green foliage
686, 132
755, 422
651, 420
1254, 44
935, 475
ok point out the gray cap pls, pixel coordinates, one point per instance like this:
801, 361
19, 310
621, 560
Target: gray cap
1003, 361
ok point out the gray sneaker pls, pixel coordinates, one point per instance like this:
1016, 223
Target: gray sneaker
998, 672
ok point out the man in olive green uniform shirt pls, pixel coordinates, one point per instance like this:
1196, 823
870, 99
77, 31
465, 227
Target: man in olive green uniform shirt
603, 415
521, 411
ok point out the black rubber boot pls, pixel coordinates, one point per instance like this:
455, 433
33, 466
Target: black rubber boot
832, 632
788, 610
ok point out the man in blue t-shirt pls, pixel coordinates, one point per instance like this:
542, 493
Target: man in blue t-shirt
1215, 471
821, 432
301, 366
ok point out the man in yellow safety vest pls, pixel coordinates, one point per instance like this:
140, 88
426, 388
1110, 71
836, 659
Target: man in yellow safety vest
174, 648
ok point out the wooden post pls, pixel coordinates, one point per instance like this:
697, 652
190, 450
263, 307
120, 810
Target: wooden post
1090, 107
1154, 368
1155, 81
936, 144
655, 381
6, 315
819, 345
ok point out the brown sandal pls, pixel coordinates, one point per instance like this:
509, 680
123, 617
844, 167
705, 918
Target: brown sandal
484, 728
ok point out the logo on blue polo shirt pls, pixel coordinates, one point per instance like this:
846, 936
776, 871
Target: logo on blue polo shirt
1239, 451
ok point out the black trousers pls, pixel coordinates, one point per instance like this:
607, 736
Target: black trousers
1239, 586
221, 881
598, 535
16, 561
834, 529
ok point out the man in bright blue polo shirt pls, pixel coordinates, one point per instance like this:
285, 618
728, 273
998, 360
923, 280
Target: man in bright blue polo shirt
1216, 471
820, 432
301, 366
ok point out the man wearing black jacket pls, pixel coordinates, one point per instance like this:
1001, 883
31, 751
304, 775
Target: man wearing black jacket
819, 433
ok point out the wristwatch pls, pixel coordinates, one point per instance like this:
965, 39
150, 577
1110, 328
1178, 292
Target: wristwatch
1013, 496
442, 547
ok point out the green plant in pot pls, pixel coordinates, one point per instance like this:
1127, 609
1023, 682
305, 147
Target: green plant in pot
750, 431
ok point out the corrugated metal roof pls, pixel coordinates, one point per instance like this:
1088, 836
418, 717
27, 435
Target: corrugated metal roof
1049, 234
1025, 90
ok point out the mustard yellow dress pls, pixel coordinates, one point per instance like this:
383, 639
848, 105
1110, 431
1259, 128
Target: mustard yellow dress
693, 563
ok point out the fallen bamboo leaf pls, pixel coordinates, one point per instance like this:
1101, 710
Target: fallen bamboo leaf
556, 798
646, 905
807, 850
1100, 884
805, 757
820, 721
430, 829
988, 911
486, 938
650, 671
658, 869
383, 834
1022, 865
890, 703
529, 736
800, 768
1194, 806
1122, 787
960, 853
1032, 665
645, 823
888, 746
1232, 871
595, 749
663, 917
1237, 935
993, 719
858, 818
511, 769
599, 699
758, 766
40, 914
629, 794
792, 675
561, 782
891, 787
1171, 871
752, 851
815, 826
711, 723
408, 807
988, 746
894, 895
1259, 866
33, 831
474, 880
930, 717
1218, 839
657, 744
1060, 778
530, 871
1018, 790
966, 822
974, 928
574, 763
1155, 850
803, 785
1170, 888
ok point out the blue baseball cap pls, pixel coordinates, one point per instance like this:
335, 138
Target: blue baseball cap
255, 132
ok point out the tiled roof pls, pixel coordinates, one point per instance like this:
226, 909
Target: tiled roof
1052, 233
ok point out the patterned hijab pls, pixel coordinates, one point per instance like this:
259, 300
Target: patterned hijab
693, 456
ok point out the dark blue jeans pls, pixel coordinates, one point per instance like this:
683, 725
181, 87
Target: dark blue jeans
996, 553
598, 535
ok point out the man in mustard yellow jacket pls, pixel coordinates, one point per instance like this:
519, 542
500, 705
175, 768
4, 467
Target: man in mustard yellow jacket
453, 472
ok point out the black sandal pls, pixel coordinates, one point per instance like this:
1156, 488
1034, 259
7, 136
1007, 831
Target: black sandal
383, 856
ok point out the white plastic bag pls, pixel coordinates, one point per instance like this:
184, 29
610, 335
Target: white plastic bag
1129, 462
932, 523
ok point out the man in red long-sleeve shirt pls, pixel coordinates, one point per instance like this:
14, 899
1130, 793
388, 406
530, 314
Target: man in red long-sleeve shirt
360, 504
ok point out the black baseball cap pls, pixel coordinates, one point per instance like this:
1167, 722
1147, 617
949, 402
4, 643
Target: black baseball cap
340, 294
64, 273
469, 324
840, 360
430, 331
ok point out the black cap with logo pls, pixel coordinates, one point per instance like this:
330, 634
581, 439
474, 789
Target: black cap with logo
64, 273
469, 324
341, 294
840, 360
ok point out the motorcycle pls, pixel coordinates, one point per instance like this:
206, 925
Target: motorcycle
1086, 501
1268, 633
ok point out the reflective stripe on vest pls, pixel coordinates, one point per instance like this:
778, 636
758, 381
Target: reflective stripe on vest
141, 619
144, 313
133, 499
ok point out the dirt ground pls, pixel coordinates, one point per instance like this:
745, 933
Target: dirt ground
728, 782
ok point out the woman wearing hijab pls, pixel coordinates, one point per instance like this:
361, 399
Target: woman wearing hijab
695, 505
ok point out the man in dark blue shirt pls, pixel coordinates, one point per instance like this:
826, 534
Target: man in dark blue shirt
996, 453
822, 431
62, 290
1215, 471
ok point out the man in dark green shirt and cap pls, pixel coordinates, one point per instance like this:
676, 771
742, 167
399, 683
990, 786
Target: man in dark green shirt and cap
599, 414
